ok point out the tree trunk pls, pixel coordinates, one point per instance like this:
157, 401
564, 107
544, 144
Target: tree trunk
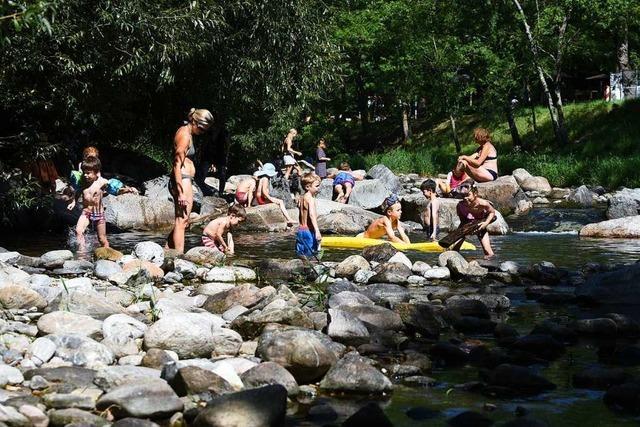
532, 107
454, 131
406, 126
515, 135
622, 53
558, 127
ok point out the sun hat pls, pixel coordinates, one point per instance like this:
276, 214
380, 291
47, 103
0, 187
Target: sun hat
267, 169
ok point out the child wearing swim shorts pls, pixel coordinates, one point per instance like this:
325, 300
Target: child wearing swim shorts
308, 236
343, 183
213, 235
92, 211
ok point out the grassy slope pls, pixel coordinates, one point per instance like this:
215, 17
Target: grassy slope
604, 149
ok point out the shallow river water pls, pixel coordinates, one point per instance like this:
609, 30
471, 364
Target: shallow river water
565, 406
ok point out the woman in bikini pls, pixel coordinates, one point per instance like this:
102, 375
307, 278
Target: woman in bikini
183, 171
483, 165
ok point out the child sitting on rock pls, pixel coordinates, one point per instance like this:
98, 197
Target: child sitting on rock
213, 233
244, 191
457, 183
92, 211
262, 195
430, 215
344, 181
308, 236
387, 224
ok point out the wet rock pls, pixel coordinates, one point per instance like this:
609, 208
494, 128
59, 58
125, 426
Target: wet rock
105, 269
368, 194
515, 380
189, 334
142, 399
17, 296
203, 255
386, 294
627, 227
81, 350
600, 327
509, 267
92, 304
421, 413
375, 316
599, 378
282, 269
348, 298
59, 322
391, 272
390, 181
136, 212
194, 380
448, 354
354, 374
419, 318
259, 407
624, 203
73, 416
470, 419
368, 415
625, 397
544, 346
458, 266
55, 259
252, 324
613, 287
559, 332
473, 325
12, 275
379, 253
351, 265
346, 328
269, 373
109, 254
301, 352
465, 306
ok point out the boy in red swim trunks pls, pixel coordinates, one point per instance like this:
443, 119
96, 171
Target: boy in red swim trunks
244, 192
213, 233
93, 211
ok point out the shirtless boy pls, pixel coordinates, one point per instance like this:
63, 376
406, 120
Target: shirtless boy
473, 208
385, 226
213, 233
308, 236
92, 211
430, 217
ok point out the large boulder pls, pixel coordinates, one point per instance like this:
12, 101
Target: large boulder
582, 196
355, 374
625, 202
346, 328
135, 212
384, 174
529, 182
268, 373
338, 218
158, 189
368, 194
619, 286
59, 322
299, 351
504, 193
516, 381
153, 399
188, 334
626, 227
266, 218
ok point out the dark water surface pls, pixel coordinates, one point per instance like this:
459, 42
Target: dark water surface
565, 406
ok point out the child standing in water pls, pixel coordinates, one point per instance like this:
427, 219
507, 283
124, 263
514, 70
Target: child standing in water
308, 236
473, 208
213, 233
430, 215
387, 224
92, 211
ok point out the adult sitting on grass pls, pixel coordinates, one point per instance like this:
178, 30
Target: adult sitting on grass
483, 165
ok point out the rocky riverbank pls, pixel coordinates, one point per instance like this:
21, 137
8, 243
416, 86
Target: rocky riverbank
150, 338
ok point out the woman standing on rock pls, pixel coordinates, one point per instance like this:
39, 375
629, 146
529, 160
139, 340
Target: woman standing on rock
483, 165
183, 172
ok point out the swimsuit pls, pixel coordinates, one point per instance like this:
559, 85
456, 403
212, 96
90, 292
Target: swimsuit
93, 216
466, 216
343, 178
261, 201
306, 243
242, 197
210, 243
493, 173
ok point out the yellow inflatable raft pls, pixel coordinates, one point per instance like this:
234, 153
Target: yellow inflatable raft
360, 242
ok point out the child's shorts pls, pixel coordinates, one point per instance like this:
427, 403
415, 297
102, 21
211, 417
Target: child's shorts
306, 243
343, 178
289, 160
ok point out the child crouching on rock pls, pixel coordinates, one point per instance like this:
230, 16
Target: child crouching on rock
385, 226
308, 236
213, 233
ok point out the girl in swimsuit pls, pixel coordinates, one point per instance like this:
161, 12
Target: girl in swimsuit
483, 165
288, 154
183, 171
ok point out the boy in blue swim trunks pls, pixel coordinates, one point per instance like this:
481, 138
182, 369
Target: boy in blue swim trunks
308, 236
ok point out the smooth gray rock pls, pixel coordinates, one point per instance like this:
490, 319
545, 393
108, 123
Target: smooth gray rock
349, 298
346, 328
268, 373
387, 177
353, 374
368, 194
109, 377
391, 272
10, 375
623, 203
41, 350
81, 350
378, 317
105, 269
203, 255
260, 407
66, 322
55, 259
386, 293
351, 265
152, 399
74, 416
186, 268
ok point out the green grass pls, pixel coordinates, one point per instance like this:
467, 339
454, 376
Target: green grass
604, 148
